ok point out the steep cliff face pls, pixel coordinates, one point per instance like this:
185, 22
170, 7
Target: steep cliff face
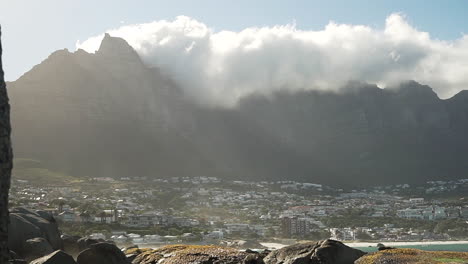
108, 114
100, 114
5, 163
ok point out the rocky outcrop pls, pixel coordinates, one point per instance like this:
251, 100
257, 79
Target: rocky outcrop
86, 242
176, 254
102, 253
321, 252
326, 251
243, 244
36, 248
22, 230
131, 252
70, 245
15, 259
6, 165
26, 224
413, 256
56, 257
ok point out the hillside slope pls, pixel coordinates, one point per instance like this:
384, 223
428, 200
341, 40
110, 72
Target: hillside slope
108, 114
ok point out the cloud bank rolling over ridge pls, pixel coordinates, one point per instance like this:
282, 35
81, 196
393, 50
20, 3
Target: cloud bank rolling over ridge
220, 67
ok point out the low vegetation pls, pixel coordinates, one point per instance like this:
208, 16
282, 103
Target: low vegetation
413, 256
35, 172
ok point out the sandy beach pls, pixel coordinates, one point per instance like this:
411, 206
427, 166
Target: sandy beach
401, 243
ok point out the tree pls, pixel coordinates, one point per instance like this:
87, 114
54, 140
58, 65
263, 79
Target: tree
6, 163
90, 208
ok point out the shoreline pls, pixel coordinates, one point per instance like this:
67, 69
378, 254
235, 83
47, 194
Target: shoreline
386, 243
405, 243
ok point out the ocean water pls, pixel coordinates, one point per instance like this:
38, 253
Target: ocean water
432, 247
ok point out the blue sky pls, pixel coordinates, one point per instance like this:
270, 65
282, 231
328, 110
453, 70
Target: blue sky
33, 29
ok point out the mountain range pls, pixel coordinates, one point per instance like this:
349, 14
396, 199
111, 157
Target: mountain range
108, 114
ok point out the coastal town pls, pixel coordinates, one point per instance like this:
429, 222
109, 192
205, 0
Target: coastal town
141, 210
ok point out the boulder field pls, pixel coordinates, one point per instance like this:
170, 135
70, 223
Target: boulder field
32, 234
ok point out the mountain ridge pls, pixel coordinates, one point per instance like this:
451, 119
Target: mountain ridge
108, 114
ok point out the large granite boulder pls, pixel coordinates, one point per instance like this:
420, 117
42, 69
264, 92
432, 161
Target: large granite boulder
86, 242
46, 215
243, 244
131, 252
326, 251
56, 257
19, 231
26, 224
102, 253
15, 259
6, 163
70, 245
413, 256
35, 248
177, 254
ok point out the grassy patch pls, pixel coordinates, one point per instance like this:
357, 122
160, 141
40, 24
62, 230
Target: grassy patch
413, 256
34, 172
451, 260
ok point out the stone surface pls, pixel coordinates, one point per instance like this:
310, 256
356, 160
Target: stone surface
20, 231
102, 253
413, 256
26, 224
326, 251
35, 248
6, 157
131, 252
17, 261
45, 222
176, 254
86, 242
56, 257
70, 245
243, 244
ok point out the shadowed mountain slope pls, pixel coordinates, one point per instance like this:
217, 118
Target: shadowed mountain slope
107, 114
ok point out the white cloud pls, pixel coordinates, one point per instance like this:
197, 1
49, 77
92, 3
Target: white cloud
220, 67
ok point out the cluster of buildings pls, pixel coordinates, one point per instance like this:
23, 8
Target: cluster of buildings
433, 212
240, 209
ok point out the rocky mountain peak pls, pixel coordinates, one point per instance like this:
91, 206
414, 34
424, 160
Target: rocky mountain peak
414, 89
116, 47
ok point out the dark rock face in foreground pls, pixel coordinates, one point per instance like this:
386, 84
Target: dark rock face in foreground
6, 157
70, 245
322, 252
26, 224
57, 257
413, 256
102, 253
85, 242
36, 248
